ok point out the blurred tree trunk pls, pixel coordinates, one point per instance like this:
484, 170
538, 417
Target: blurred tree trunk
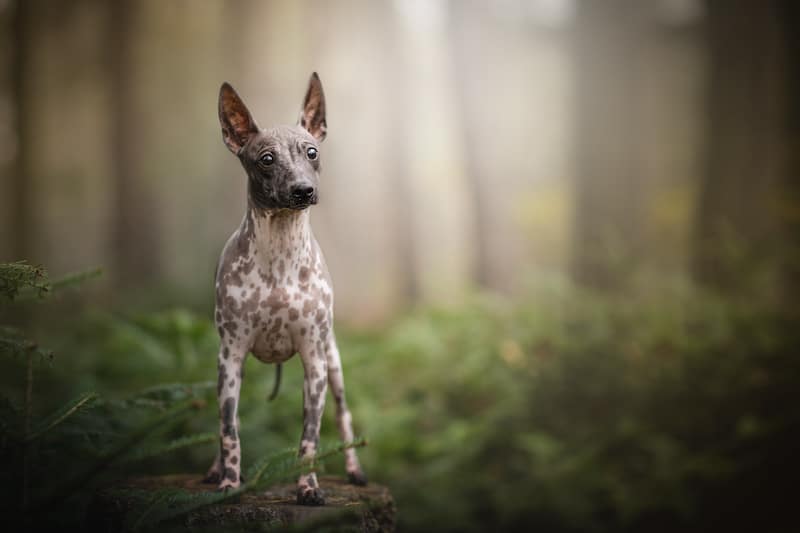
22, 217
739, 223
608, 185
134, 234
790, 15
464, 61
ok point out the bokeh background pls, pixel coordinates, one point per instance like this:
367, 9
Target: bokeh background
564, 236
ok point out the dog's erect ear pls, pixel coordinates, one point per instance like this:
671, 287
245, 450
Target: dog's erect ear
312, 116
237, 123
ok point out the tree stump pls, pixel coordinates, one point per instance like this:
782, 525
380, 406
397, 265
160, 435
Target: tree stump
347, 507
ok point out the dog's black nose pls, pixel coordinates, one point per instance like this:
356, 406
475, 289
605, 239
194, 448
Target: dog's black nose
303, 193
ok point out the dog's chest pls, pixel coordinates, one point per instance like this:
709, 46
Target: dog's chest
275, 305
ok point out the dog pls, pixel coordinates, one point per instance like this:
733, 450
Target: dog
274, 296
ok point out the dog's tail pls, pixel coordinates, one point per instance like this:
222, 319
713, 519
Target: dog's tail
277, 385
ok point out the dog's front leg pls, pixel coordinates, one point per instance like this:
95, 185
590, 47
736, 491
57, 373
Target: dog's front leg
229, 383
315, 367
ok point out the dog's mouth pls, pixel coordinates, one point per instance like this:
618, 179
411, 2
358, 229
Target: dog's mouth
299, 206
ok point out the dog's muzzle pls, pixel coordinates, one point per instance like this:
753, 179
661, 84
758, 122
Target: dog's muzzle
303, 196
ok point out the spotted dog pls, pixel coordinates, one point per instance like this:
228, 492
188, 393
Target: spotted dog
274, 296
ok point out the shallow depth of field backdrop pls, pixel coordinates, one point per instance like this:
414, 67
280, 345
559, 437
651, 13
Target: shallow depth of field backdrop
563, 235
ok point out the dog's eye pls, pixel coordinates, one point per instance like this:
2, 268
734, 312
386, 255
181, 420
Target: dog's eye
266, 159
311, 153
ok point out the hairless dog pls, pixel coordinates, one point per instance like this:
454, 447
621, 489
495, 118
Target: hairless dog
274, 296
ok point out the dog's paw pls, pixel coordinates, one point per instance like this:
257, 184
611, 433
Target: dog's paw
357, 477
227, 485
310, 496
212, 478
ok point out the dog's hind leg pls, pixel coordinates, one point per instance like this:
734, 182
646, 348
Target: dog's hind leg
343, 418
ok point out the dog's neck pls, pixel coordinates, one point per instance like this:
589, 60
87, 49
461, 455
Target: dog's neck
281, 236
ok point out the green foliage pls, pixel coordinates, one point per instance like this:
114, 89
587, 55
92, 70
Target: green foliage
60, 459
18, 276
19, 279
657, 408
581, 411
54, 419
159, 448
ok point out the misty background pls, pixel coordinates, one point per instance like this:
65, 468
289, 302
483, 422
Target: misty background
472, 144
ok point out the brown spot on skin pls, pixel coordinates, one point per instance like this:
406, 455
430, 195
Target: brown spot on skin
226, 352
304, 274
231, 383
228, 430
247, 266
277, 300
234, 460
294, 314
303, 332
221, 377
282, 267
309, 306
230, 326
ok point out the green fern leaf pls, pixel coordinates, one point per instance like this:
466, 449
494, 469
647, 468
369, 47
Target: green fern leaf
67, 410
18, 276
75, 279
162, 449
159, 422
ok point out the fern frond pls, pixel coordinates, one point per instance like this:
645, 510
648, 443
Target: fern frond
159, 422
162, 449
76, 278
171, 392
67, 410
18, 276
16, 346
